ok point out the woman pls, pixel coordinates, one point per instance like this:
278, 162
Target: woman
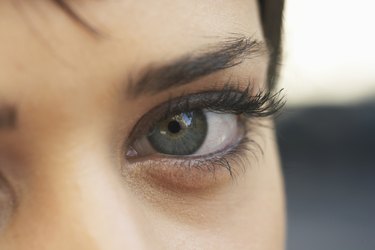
139, 125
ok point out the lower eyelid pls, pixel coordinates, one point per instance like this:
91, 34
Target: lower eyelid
181, 175
188, 174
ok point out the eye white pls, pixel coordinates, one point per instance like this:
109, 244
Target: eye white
222, 132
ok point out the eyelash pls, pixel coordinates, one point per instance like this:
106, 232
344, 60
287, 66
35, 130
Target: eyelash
229, 100
232, 100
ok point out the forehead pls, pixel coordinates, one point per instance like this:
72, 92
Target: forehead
41, 42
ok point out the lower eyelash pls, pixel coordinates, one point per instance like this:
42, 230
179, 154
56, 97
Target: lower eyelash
237, 155
233, 159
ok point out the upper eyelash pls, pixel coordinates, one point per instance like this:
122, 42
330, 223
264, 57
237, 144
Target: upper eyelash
230, 99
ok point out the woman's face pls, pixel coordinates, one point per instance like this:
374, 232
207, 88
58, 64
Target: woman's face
137, 129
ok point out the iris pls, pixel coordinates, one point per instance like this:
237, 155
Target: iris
181, 134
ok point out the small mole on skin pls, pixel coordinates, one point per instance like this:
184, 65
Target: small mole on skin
8, 117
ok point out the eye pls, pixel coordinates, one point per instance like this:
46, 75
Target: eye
192, 133
199, 140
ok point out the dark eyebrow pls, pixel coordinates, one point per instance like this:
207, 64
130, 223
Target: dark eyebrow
8, 117
193, 66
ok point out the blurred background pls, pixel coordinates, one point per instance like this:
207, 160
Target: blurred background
327, 131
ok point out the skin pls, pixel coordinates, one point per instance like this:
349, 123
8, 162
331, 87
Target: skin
63, 166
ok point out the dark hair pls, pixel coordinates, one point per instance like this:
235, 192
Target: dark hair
271, 13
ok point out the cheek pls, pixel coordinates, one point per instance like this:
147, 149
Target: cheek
246, 214
260, 207
77, 200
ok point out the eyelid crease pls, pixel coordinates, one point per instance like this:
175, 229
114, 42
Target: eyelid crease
67, 8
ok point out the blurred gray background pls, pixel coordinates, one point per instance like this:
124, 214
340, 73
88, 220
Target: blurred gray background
329, 167
327, 131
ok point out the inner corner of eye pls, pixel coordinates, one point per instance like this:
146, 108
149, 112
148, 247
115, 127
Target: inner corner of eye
131, 152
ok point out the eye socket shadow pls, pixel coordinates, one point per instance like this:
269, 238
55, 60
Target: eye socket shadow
8, 117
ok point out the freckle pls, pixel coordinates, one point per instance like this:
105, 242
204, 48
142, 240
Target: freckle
18, 65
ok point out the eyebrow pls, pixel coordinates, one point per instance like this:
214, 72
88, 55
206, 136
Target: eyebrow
190, 67
8, 117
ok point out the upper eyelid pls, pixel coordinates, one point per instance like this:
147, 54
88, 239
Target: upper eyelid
262, 104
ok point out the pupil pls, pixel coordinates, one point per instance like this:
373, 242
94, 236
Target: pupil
174, 127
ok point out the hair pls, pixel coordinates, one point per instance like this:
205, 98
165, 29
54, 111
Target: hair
271, 13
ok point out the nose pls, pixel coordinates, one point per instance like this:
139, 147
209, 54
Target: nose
70, 207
